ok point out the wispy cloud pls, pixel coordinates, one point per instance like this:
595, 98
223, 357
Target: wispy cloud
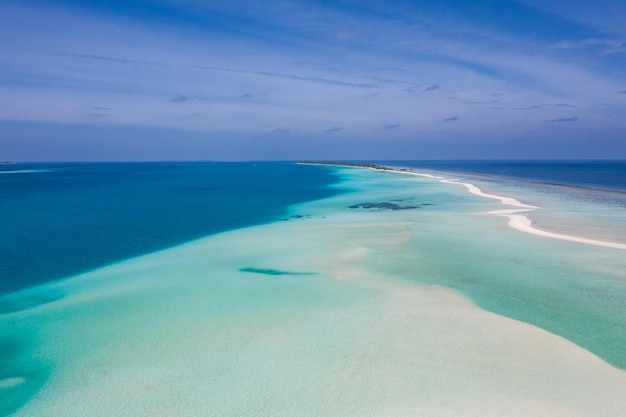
311, 65
271, 74
563, 119
547, 106
432, 88
178, 99
605, 46
319, 80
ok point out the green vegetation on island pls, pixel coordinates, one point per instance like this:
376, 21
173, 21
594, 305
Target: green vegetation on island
348, 164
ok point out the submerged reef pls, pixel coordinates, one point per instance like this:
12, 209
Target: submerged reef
386, 206
272, 271
348, 164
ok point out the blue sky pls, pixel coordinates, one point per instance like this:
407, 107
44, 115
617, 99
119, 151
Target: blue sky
241, 80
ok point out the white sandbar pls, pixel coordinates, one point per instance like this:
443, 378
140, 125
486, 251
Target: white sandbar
518, 221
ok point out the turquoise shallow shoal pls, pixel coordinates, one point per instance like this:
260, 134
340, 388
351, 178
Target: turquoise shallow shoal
352, 306
570, 289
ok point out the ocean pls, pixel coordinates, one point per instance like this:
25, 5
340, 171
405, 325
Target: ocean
311, 290
600, 174
101, 213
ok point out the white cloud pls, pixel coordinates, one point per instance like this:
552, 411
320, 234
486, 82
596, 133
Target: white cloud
312, 76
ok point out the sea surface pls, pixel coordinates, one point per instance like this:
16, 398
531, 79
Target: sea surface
282, 289
60, 219
601, 174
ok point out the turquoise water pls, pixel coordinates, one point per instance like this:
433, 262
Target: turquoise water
377, 299
570, 289
99, 213
566, 288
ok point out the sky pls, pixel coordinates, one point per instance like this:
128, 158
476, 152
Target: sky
292, 80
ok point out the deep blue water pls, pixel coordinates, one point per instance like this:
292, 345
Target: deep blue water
608, 175
75, 217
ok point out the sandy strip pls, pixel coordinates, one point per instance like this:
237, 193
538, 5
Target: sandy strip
508, 201
518, 221
523, 223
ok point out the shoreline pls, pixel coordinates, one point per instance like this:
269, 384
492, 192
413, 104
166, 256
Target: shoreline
327, 324
469, 174
523, 223
516, 221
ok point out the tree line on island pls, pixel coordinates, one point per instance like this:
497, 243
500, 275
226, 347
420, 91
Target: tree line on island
348, 164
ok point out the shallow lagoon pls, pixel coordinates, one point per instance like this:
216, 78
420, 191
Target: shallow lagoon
438, 310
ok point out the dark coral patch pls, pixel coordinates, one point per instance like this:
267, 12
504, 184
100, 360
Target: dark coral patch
272, 271
384, 206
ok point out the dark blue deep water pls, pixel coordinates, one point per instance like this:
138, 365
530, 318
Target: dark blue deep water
607, 175
69, 218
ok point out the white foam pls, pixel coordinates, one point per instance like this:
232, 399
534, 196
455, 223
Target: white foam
24, 171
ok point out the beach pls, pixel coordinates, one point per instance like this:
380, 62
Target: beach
518, 221
404, 295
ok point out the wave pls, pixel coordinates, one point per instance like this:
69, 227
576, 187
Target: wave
24, 171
